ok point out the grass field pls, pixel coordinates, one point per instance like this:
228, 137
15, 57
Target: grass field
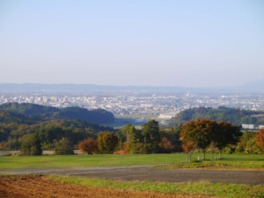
162, 161
203, 189
170, 161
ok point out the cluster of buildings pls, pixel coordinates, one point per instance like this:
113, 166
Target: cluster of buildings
154, 105
251, 127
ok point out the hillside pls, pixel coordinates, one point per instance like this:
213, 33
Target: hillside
50, 124
234, 116
27, 111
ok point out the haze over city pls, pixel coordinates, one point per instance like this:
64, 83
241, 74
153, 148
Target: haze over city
154, 43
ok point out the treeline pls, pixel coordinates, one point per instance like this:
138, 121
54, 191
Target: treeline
33, 128
231, 115
196, 135
31, 113
47, 132
149, 139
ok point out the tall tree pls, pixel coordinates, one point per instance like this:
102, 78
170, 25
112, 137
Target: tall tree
225, 134
260, 139
107, 142
31, 145
151, 134
197, 133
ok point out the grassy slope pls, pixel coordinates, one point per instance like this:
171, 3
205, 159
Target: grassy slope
85, 161
203, 189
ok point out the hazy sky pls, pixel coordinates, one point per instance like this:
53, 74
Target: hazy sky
187, 43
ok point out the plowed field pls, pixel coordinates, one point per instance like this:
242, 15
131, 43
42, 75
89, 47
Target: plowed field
40, 186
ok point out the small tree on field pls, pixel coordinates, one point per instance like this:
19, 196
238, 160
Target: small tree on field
197, 133
89, 146
225, 134
64, 147
31, 145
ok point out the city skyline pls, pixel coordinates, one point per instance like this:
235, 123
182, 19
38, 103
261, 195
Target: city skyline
138, 43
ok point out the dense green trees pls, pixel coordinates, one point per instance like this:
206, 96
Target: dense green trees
49, 132
107, 142
23, 127
30, 145
247, 144
150, 139
29, 113
230, 115
151, 136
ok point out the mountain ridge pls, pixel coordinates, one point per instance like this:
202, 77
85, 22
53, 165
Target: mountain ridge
67, 87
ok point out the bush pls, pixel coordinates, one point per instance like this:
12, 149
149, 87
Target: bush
89, 146
64, 147
30, 145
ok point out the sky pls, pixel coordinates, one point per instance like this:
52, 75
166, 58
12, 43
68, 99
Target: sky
179, 43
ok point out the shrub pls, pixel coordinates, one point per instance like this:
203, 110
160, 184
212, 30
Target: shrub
89, 146
64, 147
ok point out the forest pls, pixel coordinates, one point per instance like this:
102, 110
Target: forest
231, 115
31, 113
32, 128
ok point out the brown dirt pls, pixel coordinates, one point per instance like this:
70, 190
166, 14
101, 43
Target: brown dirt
42, 187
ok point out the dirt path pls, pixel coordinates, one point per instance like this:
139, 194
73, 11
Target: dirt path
148, 173
41, 187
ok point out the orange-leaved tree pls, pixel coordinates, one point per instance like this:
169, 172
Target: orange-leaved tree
89, 146
197, 134
260, 139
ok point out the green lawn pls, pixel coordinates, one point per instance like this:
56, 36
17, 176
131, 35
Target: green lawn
99, 160
193, 189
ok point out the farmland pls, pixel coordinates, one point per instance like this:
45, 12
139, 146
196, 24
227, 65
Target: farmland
154, 175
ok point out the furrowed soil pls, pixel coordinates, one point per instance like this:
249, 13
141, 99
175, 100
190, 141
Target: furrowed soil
41, 187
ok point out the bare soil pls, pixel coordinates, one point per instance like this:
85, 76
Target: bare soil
42, 187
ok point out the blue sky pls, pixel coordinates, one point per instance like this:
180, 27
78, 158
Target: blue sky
185, 43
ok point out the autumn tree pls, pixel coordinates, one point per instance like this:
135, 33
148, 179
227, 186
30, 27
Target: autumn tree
107, 142
260, 139
198, 133
170, 140
188, 139
224, 135
89, 146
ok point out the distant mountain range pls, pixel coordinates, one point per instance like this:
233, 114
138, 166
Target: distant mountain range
255, 87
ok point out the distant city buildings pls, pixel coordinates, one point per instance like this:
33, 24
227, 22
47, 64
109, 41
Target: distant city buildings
141, 105
251, 127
